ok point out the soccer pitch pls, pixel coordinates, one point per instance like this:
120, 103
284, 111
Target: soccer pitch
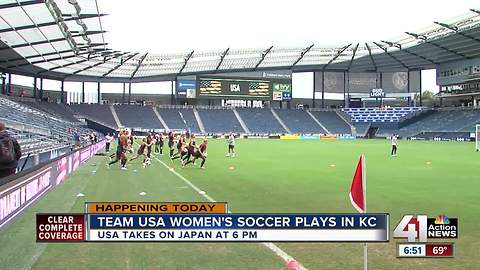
267, 176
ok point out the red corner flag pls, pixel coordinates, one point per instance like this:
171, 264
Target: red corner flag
357, 190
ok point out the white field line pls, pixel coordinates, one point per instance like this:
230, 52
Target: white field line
278, 251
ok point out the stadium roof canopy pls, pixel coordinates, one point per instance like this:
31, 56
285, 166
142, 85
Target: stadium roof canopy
63, 40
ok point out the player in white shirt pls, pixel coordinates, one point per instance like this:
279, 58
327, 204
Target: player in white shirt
231, 145
394, 145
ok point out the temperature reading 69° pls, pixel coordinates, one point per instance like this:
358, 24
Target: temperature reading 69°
439, 250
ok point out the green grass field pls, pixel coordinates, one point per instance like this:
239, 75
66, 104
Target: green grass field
268, 176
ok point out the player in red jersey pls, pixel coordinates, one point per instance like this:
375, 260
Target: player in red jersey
159, 143
141, 149
121, 150
180, 145
191, 149
171, 142
200, 152
150, 143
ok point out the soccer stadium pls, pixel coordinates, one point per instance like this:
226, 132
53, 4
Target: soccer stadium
267, 156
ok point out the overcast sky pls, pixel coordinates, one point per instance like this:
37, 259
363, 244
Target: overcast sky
171, 26
184, 25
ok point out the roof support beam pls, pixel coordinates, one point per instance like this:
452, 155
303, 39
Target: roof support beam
105, 59
371, 56
138, 66
48, 41
392, 56
45, 54
353, 56
475, 10
409, 52
82, 16
424, 38
47, 60
21, 4
304, 51
71, 64
455, 29
119, 65
339, 52
264, 54
187, 57
221, 59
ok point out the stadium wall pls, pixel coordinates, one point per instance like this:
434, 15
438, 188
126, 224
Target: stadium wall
18, 192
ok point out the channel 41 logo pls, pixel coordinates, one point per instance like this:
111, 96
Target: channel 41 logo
422, 228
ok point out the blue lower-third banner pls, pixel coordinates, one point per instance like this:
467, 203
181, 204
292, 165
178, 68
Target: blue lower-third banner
238, 227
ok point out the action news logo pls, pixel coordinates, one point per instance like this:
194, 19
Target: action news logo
422, 228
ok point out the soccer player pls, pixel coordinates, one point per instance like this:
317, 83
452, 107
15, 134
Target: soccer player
171, 142
183, 153
180, 145
121, 151
394, 145
181, 140
143, 151
191, 150
200, 152
231, 145
159, 143
150, 143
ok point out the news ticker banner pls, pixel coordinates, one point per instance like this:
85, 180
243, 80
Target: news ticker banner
205, 222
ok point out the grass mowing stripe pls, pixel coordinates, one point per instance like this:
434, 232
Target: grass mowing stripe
70, 207
278, 251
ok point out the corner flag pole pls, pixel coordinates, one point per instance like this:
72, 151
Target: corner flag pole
364, 184
358, 197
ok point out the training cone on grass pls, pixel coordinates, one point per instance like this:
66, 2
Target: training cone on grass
292, 264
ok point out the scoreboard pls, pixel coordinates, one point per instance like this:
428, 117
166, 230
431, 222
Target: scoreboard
234, 88
244, 88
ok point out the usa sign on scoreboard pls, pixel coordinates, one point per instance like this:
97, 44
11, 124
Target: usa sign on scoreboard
205, 222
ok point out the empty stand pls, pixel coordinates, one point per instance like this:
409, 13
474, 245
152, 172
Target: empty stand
173, 118
445, 120
133, 116
260, 120
60, 110
298, 121
372, 115
361, 128
95, 112
220, 120
332, 122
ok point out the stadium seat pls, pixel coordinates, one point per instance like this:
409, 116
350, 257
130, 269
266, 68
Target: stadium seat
260, 120
135, 116
220, 121
298, 121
